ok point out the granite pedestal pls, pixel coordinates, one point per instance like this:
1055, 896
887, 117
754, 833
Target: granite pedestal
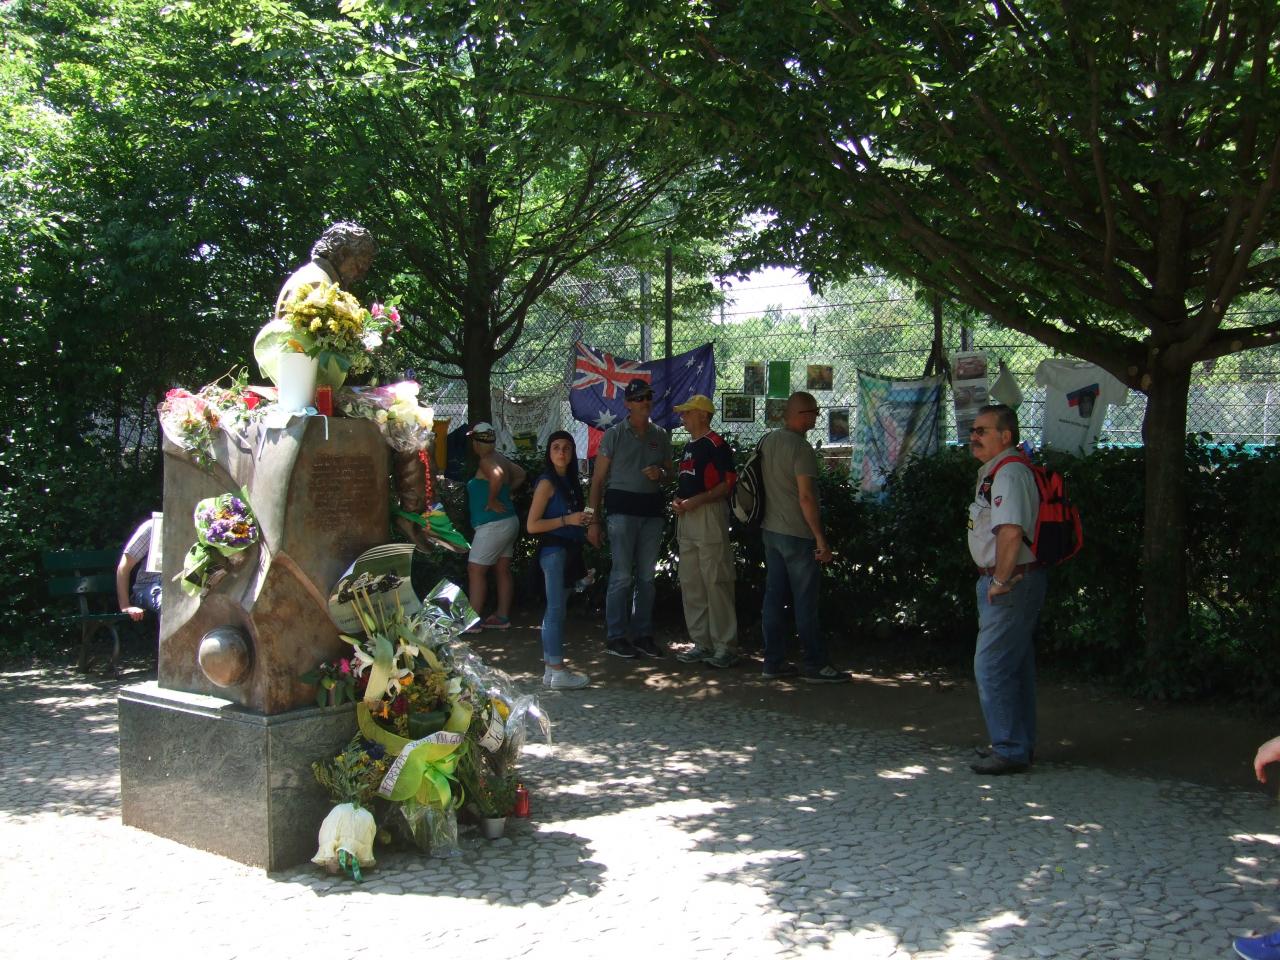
217, 776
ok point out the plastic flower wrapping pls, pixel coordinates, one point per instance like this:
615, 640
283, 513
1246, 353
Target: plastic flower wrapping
348, 829
405, 425
225, 527
438, 729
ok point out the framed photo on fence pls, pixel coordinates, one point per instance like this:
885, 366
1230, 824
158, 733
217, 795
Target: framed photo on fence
818, 376
779, 379
774, 410
737, 408
838, 425
753, 378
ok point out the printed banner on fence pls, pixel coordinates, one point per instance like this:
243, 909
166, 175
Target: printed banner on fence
969, 387
600, 379
898, 419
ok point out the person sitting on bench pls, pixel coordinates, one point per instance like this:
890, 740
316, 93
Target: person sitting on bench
145, 594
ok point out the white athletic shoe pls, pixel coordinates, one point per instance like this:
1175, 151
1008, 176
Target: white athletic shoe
564, 679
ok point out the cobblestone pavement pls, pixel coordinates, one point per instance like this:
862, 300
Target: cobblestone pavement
694, 829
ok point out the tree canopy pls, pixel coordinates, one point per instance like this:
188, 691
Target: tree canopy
482, 199
1100, 176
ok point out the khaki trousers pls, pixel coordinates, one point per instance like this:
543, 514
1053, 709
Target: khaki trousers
706, 579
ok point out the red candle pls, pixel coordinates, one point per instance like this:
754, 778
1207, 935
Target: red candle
521, 808
324, 400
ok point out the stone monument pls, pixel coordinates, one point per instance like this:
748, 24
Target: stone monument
217, 753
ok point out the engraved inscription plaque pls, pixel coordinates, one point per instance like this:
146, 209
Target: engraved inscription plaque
339, 487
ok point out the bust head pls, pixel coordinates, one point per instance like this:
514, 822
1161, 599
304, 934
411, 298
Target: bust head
349, 247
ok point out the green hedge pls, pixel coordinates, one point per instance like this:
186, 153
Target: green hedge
901, 582
904, 569
61, 497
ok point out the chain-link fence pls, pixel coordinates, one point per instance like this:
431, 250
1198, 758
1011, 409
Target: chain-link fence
877, 325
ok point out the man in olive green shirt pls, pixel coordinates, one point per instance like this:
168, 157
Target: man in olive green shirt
794, 545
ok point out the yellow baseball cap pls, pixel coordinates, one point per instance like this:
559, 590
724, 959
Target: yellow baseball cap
697, 402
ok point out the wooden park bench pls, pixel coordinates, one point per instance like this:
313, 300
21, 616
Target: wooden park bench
90, 577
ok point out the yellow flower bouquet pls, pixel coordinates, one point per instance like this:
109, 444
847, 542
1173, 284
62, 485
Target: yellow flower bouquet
325, 322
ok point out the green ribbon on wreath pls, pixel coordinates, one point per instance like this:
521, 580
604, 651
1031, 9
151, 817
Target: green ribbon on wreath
426, 773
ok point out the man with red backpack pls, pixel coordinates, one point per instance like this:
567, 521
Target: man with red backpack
1003, 519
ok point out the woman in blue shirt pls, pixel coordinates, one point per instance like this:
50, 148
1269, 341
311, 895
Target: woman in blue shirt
557, 518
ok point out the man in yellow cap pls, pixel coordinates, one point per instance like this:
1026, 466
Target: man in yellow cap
706, 560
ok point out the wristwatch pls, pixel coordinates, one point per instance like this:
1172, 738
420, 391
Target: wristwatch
996, 581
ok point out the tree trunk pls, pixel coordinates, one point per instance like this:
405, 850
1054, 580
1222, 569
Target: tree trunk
1164, 538
477, 367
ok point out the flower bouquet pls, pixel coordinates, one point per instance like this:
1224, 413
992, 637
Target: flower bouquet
325, 322
347, 833
384, 320
436, 710
335, 683
491, 790
406, 426
411, 706
191, 420
225, 528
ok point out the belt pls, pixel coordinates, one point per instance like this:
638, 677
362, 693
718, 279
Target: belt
1017, 571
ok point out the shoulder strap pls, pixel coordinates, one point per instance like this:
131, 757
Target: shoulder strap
1012, 458
1017, 458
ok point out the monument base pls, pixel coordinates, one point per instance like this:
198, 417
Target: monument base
213, 775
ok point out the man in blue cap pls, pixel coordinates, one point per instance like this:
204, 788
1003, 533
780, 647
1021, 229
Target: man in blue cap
633, 462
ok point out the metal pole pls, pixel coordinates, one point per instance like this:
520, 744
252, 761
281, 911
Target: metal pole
667, 301
646, 328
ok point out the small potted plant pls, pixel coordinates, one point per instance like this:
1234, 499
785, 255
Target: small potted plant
493, 793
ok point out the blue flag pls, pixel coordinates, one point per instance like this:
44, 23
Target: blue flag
600, 378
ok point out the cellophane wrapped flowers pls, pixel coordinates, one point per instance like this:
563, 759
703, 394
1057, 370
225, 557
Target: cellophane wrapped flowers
225, 527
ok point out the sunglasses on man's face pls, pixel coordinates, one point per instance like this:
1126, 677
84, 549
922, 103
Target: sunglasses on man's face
643, 398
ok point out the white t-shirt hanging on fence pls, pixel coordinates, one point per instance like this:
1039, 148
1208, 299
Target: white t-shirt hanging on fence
524, 423
1076, 398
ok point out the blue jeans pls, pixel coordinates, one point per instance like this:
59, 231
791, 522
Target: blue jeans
791, 577
553, 564
146, 596
1004, 664
634, 543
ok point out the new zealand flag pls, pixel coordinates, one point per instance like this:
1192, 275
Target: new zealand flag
600, 378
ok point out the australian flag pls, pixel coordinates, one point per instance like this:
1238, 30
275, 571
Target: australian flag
600, 378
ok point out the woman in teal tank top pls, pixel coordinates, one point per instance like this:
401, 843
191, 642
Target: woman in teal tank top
493, 517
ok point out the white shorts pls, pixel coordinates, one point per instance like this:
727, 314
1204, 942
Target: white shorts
493, 540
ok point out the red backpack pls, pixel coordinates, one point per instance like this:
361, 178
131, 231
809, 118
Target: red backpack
1058, 535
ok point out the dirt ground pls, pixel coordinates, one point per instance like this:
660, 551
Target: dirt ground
1079, 724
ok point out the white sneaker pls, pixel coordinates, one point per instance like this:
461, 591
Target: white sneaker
564, 679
